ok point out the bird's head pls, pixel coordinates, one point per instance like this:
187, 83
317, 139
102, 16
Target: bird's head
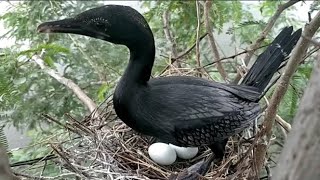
114, 23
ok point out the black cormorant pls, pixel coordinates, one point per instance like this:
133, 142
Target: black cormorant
182, 110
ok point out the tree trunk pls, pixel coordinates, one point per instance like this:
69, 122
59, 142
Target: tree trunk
300, 158
5, 171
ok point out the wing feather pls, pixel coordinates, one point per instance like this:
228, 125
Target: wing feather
194, 115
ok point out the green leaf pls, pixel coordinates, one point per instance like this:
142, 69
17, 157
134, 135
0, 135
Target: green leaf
103, 89
49, 61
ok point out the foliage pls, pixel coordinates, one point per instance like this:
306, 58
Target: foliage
27, 91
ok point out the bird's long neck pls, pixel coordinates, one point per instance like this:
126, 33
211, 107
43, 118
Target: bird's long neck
135, 76
140, 64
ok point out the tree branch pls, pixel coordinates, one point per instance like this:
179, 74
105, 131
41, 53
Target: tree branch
5, 170
198, 33
303, 162
169, 37
216, 56
295, 59
264, 33
67, 82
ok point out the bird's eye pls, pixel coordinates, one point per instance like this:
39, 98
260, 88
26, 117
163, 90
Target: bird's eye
99, 25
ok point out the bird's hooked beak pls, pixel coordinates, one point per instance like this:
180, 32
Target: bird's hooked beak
73, 26
61, 26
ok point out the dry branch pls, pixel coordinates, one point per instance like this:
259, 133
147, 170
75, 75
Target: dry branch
88, 102
68, 164
297, 55
264, 33
286, 126
303, 162
34, 161
232, 56
169, 37
173, 59
198, 34
216, 56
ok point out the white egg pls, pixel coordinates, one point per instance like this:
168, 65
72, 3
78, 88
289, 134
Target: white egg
185, 152
162, 153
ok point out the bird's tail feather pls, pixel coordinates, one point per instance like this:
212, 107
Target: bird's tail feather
269, 61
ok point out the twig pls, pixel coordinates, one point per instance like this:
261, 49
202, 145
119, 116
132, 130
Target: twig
269, 174
297, 55
27, 176
169, 36
88, 102
60, 176
63, 156
216, 56
34, 161
198, 32
264, 33
79, 126
173, 59
98, 83
43, 168
231, 57
191, 48
286, 126
50, 119
311, 52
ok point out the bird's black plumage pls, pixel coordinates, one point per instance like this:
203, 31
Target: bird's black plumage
185, 111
